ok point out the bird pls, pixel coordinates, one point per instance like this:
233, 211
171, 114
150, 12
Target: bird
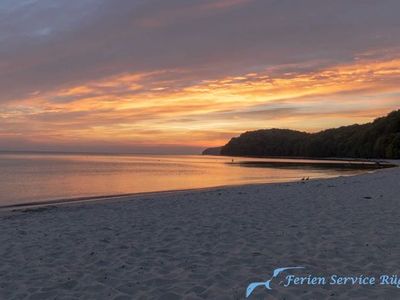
267, 284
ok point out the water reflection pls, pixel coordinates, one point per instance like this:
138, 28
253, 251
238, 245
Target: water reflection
31, 177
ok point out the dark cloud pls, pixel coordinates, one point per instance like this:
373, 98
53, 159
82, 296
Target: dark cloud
51, 44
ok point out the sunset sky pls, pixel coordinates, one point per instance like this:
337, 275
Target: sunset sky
177, 76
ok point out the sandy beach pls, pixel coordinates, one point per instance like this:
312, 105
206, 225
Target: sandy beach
207, 244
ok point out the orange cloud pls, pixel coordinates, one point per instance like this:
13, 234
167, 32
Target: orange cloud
142, 109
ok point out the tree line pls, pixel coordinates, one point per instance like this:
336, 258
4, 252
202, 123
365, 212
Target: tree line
378, 139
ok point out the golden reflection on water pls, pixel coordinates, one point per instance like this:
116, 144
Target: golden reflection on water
31, 177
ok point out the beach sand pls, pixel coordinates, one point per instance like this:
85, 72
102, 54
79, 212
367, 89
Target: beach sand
207, 244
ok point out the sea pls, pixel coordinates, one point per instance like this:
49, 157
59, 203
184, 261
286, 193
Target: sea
41, 177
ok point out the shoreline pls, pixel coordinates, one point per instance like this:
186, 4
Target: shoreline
297, 169
207, 244
344, 159
129, 196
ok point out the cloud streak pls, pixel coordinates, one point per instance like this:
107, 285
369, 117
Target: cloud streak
142, 108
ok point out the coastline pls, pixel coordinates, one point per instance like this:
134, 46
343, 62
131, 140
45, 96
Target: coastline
370, 165
205, 243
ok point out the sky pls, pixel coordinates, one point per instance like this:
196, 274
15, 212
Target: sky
177, 76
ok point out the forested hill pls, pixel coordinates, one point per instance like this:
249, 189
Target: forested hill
212, 151
379, 139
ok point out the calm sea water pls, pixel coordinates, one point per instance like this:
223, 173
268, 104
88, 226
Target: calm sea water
29, 177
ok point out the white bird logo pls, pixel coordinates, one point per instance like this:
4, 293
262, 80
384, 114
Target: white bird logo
266, 284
